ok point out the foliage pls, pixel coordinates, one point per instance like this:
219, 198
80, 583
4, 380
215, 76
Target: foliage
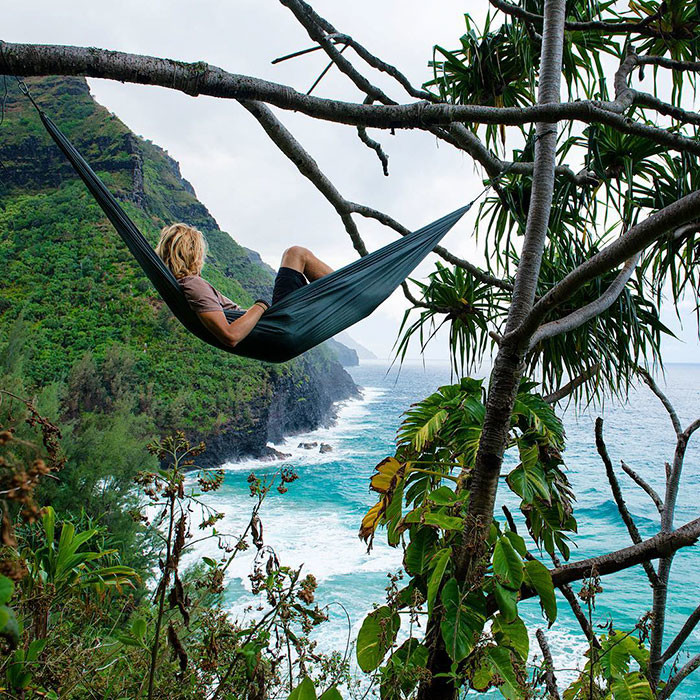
430, 475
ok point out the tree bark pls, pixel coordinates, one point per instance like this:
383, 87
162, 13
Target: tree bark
508, 365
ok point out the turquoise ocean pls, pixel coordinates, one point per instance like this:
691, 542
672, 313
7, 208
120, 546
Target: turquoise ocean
315, 523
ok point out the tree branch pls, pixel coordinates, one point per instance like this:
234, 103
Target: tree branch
203, 79
577, 318
676, 680
626, 246
619, 499
644, 486
684, 633
571, 386
661, 545
664, 400
549, 678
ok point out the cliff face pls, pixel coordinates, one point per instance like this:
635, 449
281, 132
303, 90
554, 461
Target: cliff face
73, 288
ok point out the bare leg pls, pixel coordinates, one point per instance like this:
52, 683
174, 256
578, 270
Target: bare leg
304, 261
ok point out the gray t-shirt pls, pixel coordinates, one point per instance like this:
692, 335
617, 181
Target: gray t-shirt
202, 297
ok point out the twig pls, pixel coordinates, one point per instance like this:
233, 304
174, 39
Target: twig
619, 500
644, 485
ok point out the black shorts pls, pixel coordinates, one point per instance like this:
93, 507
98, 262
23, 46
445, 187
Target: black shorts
287, 281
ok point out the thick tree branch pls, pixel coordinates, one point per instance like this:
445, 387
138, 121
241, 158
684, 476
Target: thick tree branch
203, 79
577, 318
662, 545
626, 246
644, 485
619, 499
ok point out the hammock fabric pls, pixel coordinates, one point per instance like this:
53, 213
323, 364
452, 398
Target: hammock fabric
304, 318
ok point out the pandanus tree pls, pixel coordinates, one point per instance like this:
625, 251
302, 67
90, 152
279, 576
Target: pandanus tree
579, 114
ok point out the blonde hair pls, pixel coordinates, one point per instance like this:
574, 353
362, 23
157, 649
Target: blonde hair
183, 249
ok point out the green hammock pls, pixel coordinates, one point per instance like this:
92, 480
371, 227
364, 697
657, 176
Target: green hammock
304, 318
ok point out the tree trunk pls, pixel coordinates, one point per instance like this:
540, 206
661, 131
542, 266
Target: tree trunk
508, 365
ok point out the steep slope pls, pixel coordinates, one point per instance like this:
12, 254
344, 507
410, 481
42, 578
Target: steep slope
72, 288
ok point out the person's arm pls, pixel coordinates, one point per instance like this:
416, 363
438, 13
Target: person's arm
233, 333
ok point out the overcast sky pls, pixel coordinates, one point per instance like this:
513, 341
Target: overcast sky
248, 185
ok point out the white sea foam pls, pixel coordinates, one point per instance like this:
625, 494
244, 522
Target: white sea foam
351, 418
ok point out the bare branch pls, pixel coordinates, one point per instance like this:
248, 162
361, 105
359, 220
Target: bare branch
685, 631
374, 145
619, 499
663, 544
663, 398
577, 318
571, 386
676, 680
203, 79
626, 246
645, 486
549, 678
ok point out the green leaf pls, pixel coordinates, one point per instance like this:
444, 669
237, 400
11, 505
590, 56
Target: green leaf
35, 648
512, 634
376, 636
138, 628
304, 691
10, 629
439, 564
7, 588
633, 686
331, 694
444, 521
538, 576
420, 550
517, 541
443, 496
463, 620
507, 564
507, 601
502, 664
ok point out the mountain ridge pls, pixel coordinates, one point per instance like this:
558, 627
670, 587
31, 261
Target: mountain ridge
71, 285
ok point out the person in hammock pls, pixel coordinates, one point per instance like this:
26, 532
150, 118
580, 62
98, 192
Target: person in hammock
183, 250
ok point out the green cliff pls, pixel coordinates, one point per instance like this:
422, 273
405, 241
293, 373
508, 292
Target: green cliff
78, 313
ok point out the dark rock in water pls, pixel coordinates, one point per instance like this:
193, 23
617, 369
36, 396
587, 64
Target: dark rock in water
270, 454
325, 448
307, 445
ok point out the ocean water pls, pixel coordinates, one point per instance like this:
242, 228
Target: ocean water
315, 523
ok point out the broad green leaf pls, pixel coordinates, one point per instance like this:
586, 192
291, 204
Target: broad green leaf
463, 620
7, 588
10, 628
507, 601
439, 564
331, 694
138, 628
538, 576
376, 636
502, 664
444, 521
507, 564
633, 686
443, 496
420, 550
517, 541
512, 634
304, 691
